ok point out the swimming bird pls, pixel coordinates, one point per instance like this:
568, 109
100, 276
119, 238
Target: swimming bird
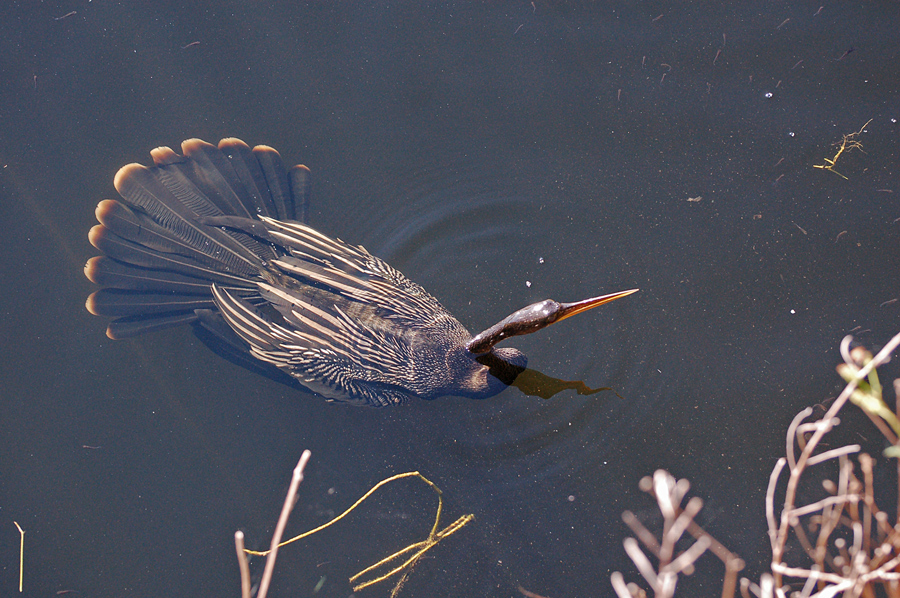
216, 238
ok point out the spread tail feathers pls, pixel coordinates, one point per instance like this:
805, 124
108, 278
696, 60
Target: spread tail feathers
162, 248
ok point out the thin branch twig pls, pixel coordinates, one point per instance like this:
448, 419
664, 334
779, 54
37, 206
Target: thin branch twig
289, 500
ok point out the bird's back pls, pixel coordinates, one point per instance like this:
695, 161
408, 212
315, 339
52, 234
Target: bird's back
215, 238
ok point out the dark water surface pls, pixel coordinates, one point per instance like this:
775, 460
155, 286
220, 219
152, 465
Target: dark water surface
497, 154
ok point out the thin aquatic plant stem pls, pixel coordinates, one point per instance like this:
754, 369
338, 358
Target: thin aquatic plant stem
21, 554
374, 488
790, 493
242, 564
421, 547
897, 401
282, 522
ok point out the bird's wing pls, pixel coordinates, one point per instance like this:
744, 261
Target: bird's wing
322, 347
353, 273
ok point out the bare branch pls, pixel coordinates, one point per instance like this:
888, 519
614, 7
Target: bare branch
289, 500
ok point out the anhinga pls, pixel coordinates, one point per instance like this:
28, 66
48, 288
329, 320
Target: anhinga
214, 238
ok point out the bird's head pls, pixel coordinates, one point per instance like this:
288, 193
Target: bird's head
489, 369
533, 318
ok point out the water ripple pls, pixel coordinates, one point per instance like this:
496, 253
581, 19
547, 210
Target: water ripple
484, 248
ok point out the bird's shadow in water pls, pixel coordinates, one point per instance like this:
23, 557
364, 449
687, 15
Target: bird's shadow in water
535, 384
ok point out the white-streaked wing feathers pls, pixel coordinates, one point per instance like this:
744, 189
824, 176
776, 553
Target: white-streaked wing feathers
327, 351
352, 272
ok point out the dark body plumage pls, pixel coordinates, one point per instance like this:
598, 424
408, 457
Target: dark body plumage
214, 238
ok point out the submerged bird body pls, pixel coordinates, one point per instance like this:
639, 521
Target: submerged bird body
214, 238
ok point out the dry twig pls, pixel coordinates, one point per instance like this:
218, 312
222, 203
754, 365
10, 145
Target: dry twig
848, 543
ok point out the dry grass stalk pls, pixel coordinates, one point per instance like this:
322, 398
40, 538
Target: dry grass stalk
848, 545
671, 562
409, 556
289, 501
851, 547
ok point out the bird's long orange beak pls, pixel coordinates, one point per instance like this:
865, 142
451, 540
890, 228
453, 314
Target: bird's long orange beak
570, 309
